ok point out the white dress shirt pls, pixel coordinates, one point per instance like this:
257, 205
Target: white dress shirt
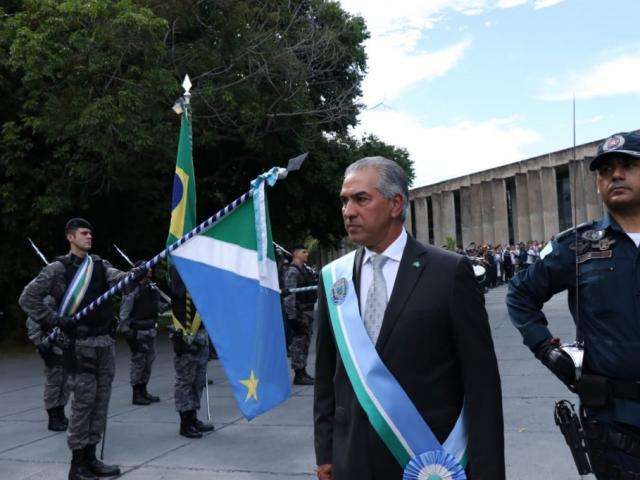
635, 237
389, 269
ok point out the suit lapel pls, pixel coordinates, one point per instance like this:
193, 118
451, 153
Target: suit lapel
409, 271
357, 269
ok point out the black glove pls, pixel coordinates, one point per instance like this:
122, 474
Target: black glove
138, 273
66, 323
558, 361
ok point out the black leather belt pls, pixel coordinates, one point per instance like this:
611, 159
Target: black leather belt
597, 391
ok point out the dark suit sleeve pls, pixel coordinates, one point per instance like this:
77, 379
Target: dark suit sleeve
479, 369
324, 400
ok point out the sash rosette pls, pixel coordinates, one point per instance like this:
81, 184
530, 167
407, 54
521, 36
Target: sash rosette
389, 409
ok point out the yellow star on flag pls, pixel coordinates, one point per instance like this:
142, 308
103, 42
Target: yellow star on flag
252, 386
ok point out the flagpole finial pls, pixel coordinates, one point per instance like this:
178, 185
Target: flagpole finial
186, 84
178, 107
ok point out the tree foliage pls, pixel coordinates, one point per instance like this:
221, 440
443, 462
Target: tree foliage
87, 129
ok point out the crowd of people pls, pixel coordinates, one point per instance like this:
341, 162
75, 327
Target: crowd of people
501, 263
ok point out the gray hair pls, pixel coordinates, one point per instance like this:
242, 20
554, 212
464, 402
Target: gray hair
392, 178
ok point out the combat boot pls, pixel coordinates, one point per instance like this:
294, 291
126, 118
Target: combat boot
187, 426
79, 469
148, 396
96, 467
201, 426
302, 378
57, 421
138, 396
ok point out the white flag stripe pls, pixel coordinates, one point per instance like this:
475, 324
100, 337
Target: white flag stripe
229, 257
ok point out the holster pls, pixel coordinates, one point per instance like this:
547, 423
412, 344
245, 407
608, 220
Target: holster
571, 428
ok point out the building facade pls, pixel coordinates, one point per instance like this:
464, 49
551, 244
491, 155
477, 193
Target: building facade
528, 200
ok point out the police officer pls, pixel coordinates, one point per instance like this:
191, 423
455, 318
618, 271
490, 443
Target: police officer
93, 342
299, 312
599, 264
138, 323
58, 362
191, 348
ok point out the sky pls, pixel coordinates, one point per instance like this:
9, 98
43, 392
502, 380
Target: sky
467, 85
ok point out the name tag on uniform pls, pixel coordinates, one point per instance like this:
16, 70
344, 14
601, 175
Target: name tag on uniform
591, 255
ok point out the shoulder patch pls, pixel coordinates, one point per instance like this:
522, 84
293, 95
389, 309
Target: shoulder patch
570, 231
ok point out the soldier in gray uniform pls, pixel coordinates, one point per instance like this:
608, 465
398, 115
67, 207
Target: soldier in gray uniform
298, 309
93, 342
57, 356
138, 323
191, 350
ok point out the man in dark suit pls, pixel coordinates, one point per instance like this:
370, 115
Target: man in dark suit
433, 336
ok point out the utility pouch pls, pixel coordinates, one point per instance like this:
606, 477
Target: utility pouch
571, 428
593, 391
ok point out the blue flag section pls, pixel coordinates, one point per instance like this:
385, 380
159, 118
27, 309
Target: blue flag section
236, 292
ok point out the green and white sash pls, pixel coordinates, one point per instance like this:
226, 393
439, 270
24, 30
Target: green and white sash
389, 409
76, 290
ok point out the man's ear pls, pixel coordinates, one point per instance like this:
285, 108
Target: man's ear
398, 206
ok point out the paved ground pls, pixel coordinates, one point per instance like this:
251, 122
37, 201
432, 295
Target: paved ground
278, 445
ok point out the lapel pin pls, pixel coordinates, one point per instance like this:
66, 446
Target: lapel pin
416, 264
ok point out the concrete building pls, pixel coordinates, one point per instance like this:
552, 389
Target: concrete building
531, 199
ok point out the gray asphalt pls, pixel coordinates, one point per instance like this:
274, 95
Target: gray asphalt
277, 445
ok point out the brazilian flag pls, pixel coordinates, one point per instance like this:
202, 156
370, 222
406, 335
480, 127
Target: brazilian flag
183, 208
183, 204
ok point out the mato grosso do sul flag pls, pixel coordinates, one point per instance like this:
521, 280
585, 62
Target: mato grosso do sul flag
231, 274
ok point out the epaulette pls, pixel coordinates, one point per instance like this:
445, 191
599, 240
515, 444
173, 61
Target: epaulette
569, 232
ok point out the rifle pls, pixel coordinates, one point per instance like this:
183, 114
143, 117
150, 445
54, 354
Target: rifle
153, 285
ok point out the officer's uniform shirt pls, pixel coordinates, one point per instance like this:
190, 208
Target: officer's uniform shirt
608, 282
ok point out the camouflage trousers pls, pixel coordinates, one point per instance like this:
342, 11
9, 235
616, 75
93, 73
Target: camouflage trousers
57, 386
191, 370
300, 340
142, 360
91, 394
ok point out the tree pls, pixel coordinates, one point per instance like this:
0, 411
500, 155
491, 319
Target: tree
87, 128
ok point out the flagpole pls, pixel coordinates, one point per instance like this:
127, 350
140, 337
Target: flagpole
209, 222
294, 164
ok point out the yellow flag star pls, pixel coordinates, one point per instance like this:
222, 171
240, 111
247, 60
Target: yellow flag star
252, 386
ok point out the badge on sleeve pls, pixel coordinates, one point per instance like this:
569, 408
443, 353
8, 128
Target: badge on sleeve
594, 235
